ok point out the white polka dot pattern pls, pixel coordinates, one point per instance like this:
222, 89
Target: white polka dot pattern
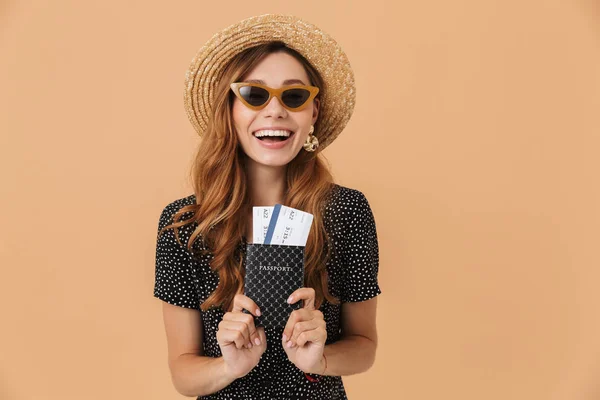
176, 280
185, 280
359, 251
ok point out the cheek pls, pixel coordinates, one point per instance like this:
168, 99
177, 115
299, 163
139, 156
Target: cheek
305, 121
240, 115
236, 113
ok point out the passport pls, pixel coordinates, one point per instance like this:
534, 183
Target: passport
273, 272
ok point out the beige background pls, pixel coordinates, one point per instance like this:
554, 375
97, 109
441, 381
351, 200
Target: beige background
475, 138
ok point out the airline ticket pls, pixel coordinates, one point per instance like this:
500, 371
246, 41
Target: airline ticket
281, 225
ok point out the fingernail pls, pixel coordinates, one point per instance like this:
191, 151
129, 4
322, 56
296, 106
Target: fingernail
257, 341
258, 312
284, 337
289, 300
289, 344
250, 345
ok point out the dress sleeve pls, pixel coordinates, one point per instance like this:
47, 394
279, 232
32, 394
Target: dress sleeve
175, 278
360, 252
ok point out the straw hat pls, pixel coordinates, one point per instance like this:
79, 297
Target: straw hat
337, 99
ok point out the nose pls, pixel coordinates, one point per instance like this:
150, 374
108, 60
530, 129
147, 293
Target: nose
275, 108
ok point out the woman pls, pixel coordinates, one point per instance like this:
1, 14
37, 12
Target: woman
261, 147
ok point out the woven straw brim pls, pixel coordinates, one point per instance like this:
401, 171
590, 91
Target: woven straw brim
320, 49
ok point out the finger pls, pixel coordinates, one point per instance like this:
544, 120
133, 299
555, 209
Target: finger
248, 320
303, 326
296, 316
236, 326
306, 294
262, 336
243, 302
315, 336
228, 337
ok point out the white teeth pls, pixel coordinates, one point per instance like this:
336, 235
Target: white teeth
272, 133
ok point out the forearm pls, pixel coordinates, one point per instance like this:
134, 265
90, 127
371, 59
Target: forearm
350, 355
195, 375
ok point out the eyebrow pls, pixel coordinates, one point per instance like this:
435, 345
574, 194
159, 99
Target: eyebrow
286, 82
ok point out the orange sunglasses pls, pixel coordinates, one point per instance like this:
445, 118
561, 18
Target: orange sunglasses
256, 96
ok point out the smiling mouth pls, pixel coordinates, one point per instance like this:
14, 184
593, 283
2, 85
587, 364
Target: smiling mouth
274, 139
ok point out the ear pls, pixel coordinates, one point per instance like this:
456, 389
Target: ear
316, 105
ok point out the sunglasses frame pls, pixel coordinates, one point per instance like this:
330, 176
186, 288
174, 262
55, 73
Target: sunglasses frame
235, 87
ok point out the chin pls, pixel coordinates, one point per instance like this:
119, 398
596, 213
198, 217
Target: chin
273, 160
274, 163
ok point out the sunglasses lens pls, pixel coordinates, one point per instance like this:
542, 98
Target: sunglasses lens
254, 95
295, 97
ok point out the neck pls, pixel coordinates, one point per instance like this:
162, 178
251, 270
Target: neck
267, 183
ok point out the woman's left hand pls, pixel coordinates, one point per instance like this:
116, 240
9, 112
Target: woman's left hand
305, 334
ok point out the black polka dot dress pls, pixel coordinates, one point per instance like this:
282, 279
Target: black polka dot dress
186, 281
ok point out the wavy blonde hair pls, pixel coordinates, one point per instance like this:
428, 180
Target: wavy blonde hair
221, 187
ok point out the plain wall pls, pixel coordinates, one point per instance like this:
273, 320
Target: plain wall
475, 139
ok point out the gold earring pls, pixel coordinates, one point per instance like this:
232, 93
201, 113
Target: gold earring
312, 142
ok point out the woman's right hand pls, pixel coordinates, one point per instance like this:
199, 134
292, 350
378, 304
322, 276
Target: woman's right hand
237, 337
